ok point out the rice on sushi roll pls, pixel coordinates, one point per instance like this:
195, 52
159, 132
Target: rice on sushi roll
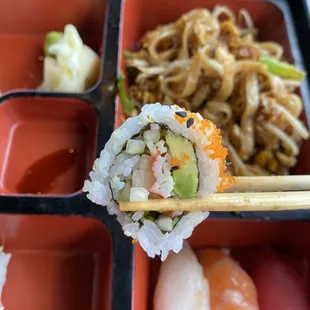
165, 151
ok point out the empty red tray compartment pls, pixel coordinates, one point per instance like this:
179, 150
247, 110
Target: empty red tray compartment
57, 262
47, 145
139, 16
22, 31
291, 236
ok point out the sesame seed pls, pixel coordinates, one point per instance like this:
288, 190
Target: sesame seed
189, 122
174, 168
181, 113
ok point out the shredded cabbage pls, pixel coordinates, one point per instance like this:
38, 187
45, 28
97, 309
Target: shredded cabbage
69, 65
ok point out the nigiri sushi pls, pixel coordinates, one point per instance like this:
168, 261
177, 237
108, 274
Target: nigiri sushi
279, 286
163, 152
231, 288
181, 284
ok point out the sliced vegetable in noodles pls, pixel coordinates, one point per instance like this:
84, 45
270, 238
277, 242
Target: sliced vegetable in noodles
282, 69
209, 61
126, 102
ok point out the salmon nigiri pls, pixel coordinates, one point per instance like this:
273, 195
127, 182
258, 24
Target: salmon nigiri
231, 288
181, 284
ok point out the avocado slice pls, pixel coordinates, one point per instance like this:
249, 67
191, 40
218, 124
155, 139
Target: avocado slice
186, 177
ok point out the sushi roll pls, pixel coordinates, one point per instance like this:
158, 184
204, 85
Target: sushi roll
163, 152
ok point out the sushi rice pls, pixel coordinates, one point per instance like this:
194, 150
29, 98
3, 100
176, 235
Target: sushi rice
136, 165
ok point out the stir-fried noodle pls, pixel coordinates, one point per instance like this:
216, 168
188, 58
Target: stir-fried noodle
210, 62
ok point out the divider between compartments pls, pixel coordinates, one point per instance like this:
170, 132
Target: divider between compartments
123, 247
77, 204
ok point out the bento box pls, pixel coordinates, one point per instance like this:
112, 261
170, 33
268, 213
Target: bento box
70, 253
275, 21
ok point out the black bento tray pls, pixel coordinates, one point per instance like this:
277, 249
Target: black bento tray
102, 97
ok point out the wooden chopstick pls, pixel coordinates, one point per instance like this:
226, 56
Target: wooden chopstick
274, 201
271, 184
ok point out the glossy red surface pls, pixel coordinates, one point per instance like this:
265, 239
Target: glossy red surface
22, 30
236, 234
57, 263
47, 145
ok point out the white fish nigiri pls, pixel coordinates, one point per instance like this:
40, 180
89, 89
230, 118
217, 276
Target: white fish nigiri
181, 284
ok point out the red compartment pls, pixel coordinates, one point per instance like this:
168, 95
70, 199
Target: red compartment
22, 30
57, 263
139, 16
292, 236
47, 145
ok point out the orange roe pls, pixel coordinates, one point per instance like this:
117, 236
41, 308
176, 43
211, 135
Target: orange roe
226, 180
185, 156
215, 150
180, 119
175, 162
218, 151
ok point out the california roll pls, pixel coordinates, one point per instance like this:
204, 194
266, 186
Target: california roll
163, 152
